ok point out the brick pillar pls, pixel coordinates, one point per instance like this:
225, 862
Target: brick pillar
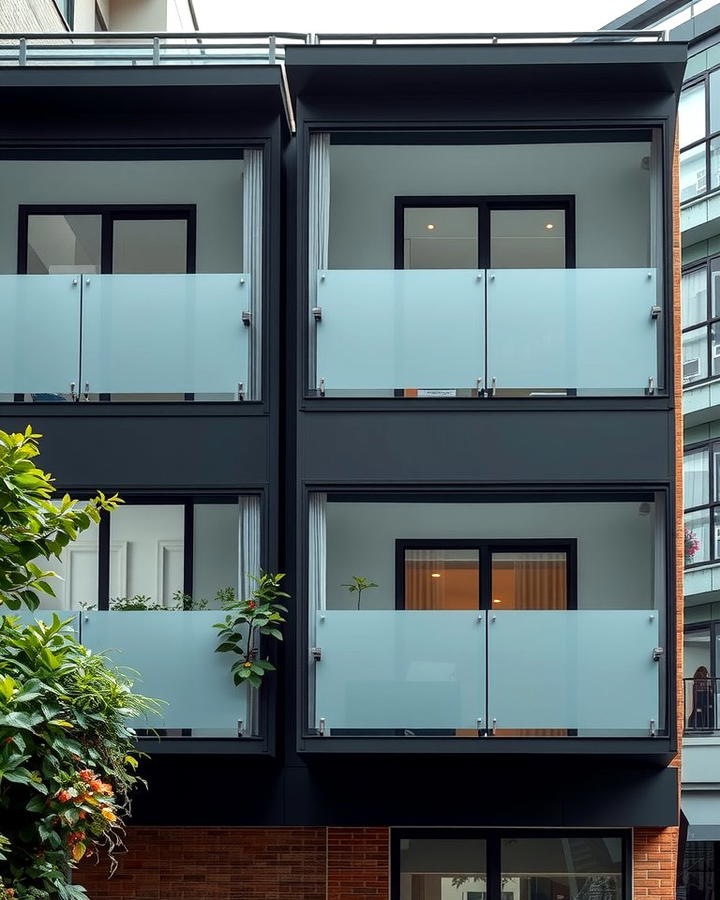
655, 863
358, 863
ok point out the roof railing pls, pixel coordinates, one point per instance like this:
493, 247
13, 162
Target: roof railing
146, 49
489, 37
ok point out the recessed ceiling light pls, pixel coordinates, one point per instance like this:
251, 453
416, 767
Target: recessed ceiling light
549, 226
430, 226
497, 601
434, 574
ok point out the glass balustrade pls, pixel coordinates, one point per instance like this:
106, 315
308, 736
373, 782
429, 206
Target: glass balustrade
514, 332
107, 337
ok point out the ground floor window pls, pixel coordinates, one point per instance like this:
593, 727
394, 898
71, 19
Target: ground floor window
699, 871
472, 865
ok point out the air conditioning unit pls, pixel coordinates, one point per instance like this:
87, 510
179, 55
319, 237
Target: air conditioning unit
691, 368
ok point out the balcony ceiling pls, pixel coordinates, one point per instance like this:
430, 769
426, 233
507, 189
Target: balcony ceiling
333, 69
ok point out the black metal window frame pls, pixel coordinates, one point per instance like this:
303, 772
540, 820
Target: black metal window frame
711, 265
493, 838
485, 206
109, 214
188, 502
709, 135
486, 547
713, 505
713, 626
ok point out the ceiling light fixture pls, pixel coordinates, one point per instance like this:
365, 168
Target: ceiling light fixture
496, 601
430, 227
434, 574
549, 226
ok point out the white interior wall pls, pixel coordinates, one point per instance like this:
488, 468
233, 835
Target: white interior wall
615, 544
214, 186
611, 188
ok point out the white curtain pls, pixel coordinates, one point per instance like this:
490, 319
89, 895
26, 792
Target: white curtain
248, 545
318, 225
252, 260
696, 477
317, 562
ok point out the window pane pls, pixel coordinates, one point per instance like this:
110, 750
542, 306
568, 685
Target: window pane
697, 537
715, 348
147, 554
696, 477
691, 115
63, 244
692, 173
442, 579
562, 867
715, 286
714, 102
215, 551
149, 246
529, 580
76, 586
527, 238
698, 872
441, 237
694, 344
696, 653
715, 162
694, 297
445, 869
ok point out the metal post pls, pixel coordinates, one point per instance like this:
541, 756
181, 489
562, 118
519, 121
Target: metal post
22, 52
156, 51
272, 44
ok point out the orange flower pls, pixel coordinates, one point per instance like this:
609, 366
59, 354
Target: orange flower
82, 814
86, 775
95, 786
106, 788
108, 814
62, 796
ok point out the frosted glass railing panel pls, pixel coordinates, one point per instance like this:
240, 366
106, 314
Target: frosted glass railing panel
387, 669
165, 334
396, 329
39, 335
174, 656
590, 670
585, 330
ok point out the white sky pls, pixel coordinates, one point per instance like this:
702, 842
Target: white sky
405, 16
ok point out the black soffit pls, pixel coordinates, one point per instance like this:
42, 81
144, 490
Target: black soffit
332, 69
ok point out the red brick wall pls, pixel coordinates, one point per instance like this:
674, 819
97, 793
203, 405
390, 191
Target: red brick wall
358, 863
215, 864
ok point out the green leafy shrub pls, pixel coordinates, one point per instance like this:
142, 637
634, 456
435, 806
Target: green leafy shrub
66, 756
245, 625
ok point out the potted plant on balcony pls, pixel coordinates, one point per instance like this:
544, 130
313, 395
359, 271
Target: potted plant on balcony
247, 622
359, 584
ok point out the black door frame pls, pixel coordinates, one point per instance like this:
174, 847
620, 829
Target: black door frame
110, 213
486, 547
485, 205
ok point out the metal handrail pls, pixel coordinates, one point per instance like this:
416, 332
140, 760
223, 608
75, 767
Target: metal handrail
489, 36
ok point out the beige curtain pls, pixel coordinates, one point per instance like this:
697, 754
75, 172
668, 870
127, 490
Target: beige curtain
540, 581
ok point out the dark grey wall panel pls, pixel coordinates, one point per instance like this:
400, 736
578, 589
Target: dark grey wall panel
149, 451
488, 446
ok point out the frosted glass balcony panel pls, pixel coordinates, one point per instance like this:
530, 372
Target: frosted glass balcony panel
404, 670
39, 335
165, 334
590, 670
587, 331
400, 330
173, 655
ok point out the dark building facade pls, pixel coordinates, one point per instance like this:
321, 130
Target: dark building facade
402, 321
